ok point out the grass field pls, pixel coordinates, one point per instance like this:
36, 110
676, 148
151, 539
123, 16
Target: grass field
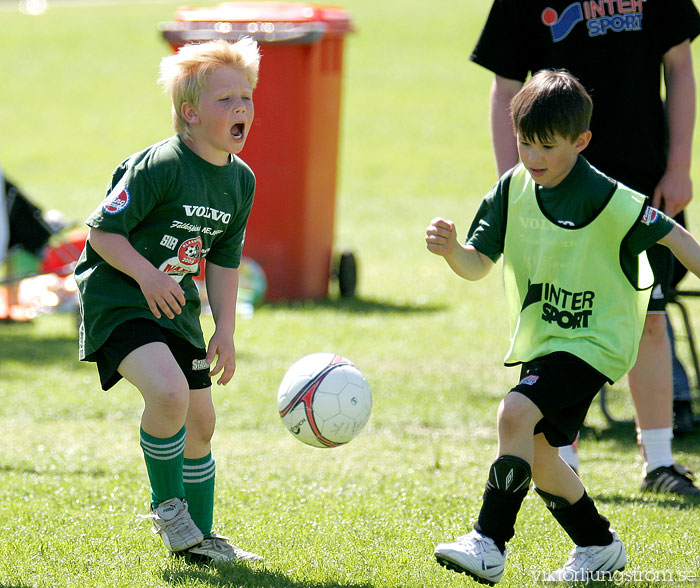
79, 94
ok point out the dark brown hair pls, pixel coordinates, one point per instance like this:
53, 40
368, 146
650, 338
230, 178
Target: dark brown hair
552, 103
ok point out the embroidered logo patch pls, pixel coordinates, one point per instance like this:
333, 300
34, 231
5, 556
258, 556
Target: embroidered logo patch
529, 380
117, 200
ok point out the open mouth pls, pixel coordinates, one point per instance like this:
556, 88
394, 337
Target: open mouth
237, 131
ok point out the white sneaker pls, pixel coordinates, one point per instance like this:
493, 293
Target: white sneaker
475, 555
172, 521
216, 549
596, 562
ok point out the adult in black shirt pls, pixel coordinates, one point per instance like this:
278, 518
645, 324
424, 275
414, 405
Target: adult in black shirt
618, 49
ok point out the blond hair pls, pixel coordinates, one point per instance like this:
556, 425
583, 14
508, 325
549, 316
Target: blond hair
184, 75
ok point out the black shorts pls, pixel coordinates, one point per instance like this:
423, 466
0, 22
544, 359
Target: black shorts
138, 332
668, 271
662, 264
562, 386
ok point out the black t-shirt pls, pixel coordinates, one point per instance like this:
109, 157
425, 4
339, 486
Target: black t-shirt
615, 48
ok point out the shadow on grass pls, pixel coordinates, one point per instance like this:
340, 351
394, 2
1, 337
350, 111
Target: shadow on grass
233, 576
38, 471
625, 433
21, 343
622, 433
353, 305
664, 500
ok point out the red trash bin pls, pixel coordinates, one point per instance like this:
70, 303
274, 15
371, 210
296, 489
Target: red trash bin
293, 146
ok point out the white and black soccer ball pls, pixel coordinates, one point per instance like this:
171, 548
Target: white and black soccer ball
324, 400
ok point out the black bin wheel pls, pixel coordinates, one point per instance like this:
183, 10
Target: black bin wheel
347, 274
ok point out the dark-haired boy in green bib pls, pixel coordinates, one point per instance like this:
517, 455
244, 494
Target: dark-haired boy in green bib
577, 285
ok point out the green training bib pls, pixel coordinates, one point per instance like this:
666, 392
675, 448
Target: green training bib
565, 287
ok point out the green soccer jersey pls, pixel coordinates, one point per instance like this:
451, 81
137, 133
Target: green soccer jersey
175, 209
573, 202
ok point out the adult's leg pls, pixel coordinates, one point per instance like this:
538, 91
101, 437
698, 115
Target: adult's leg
651, 385
651, 379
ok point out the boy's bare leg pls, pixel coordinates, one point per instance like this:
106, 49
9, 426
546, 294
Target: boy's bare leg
552, 474
158, 377
199, 467
597, 546
152, 369
482, 553
510, 474
200, 422
517, 417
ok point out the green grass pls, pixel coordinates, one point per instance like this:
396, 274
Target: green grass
79, 94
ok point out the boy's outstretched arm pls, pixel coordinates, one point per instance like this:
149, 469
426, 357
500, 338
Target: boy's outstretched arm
222, 289
465, 261
162, 293
684, 247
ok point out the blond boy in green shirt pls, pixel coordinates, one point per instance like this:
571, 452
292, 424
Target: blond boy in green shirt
169, 207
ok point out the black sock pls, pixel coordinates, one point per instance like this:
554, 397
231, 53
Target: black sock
507, 486
581, 520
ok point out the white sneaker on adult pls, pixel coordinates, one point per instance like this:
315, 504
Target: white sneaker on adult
595, 562
473, 554
216, 549
172, 521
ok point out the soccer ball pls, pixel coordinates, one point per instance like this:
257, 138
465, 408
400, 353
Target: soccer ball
324, 400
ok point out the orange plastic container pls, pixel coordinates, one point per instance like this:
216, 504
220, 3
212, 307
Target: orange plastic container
293, 146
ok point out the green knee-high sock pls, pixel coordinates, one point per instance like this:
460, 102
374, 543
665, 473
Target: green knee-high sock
164, 459
198, 476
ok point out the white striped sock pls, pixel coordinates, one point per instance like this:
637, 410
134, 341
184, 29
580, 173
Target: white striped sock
195, 474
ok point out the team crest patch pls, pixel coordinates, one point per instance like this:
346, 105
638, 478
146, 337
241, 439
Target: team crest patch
529, 380
190, 251
187, 261
117, 200
651, 215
